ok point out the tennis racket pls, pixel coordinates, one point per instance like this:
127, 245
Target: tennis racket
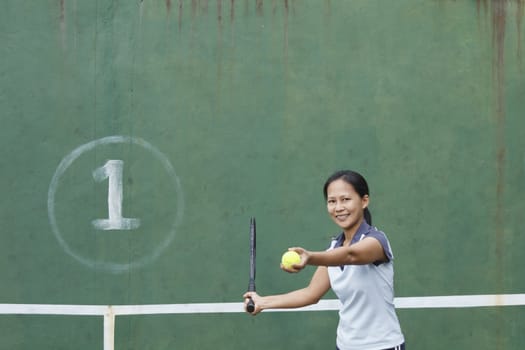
250, 307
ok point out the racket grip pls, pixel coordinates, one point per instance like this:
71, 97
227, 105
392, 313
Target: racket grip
250, 307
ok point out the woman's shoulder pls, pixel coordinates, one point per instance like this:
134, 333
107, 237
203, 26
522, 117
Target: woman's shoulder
370, 230
374, 232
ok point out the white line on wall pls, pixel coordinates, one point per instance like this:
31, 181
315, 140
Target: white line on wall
449, 301
110, 312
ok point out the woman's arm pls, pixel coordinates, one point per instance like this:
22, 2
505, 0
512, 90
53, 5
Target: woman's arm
318, 286
367, 251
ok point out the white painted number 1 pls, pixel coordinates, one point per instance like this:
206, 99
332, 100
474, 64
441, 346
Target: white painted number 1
112, 170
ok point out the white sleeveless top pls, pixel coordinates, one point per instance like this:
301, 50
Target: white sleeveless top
367, 319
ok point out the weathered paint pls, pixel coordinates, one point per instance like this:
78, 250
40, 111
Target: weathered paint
498, 10
519, 21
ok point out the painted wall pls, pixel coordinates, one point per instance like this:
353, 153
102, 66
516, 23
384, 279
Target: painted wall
223, 110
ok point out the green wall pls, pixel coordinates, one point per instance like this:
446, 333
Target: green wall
223, 110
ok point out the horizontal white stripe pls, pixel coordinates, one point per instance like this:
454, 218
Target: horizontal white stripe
52, 309
450, 301
178, 308
460, 301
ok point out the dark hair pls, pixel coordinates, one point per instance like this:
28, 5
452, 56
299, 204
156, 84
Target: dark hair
357, 181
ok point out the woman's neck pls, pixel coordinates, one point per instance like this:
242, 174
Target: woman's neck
351, 231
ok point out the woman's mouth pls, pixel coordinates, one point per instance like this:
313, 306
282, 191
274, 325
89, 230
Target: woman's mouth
342, 217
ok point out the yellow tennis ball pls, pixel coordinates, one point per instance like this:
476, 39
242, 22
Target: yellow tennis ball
290, 258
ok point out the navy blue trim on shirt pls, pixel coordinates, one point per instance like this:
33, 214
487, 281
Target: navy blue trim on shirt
365, 230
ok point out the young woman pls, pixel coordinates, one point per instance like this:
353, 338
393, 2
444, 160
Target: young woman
358, 267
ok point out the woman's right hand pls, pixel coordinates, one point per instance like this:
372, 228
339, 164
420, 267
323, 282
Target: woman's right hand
256, 298
304, 254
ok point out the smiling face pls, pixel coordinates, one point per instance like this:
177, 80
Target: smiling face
345, 206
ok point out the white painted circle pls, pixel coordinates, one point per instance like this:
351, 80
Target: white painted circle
114, 267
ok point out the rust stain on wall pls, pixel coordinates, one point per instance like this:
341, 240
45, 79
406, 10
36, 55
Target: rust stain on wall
200, 8
62, 18
499, 19
498, 11
62, 11
194, 5
232, 11
519, 20
203, 5
219, 11
259, 7
180, 14
286, 11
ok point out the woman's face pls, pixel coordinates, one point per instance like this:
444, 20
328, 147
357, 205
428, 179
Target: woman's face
345, 206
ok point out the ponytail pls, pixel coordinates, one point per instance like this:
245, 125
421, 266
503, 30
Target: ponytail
368, 216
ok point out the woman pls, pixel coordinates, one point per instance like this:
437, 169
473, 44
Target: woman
358, 267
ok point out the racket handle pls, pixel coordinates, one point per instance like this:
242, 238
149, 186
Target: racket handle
250, 307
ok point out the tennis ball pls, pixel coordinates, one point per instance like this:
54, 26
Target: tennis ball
290, 258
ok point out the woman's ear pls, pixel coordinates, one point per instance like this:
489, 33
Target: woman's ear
365, 199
